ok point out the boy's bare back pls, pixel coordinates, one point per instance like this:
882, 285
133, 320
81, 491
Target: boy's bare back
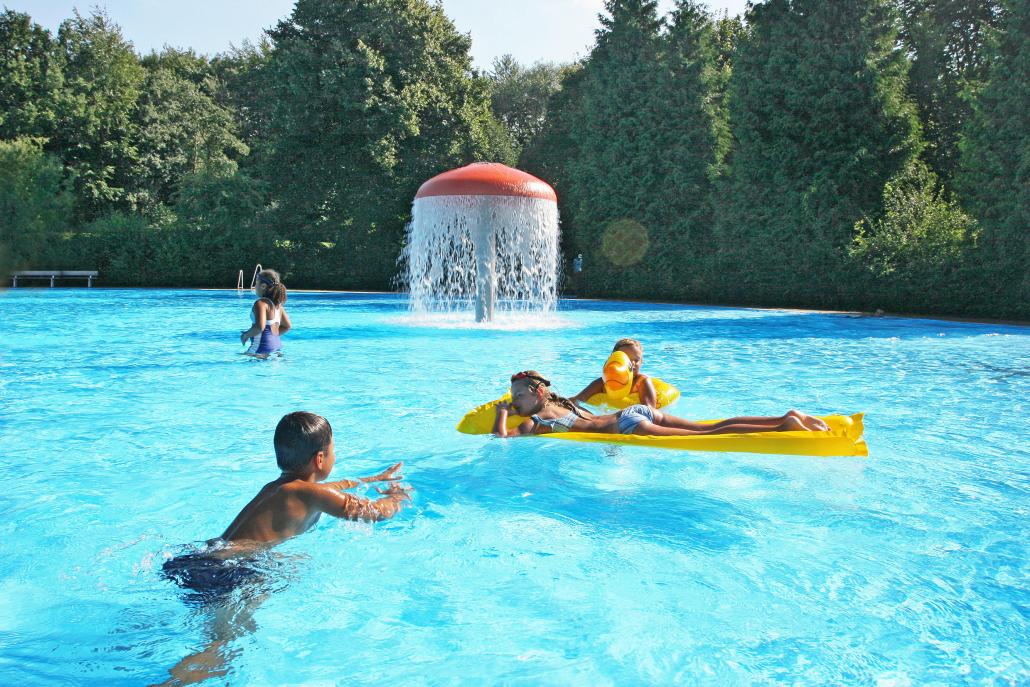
288, 506
292, 505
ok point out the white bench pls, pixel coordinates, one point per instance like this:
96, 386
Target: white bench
52, 275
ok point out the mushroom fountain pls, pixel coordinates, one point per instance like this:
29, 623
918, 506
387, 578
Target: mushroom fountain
483, 238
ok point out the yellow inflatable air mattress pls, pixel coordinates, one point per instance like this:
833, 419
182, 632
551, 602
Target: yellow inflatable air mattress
844, 437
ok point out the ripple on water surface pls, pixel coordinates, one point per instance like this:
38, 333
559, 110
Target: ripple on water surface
132, 428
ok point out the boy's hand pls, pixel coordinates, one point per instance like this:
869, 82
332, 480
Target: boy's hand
396, 490
390, 474
504, 405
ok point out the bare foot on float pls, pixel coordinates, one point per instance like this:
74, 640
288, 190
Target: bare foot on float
814, 423
809, 422
792, 423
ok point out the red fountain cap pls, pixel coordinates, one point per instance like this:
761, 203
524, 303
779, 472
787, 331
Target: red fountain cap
487, 179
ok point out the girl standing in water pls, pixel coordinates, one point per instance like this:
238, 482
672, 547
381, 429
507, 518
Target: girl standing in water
268, 317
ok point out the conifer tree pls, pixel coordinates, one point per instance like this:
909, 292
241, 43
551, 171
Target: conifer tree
691, 149
821, 119
995, 174
612, 176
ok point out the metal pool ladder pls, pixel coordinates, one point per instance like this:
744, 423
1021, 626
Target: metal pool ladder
253, 279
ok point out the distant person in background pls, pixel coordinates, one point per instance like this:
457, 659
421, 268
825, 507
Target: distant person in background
577, 264
268, 318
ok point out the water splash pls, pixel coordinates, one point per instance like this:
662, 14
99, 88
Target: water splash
439, 260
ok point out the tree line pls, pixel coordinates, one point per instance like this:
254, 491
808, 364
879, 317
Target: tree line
868, 154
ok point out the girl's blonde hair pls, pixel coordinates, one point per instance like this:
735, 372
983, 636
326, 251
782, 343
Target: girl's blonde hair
272, 286
623, 343
537, 380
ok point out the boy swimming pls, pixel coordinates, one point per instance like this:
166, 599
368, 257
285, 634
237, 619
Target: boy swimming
226, 577
293, 503
286, 507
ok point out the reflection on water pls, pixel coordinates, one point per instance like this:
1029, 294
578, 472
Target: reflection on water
521, 561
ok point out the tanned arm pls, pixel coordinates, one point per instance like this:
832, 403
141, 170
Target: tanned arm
501, 423
591, 389
390, 474
340, 504
259, 323
648, 395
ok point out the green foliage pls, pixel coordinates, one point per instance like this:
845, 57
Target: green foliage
121, 246
96, 132
519, 96
691, 153
548, 154
30, 78
921, 235
243, 89
35, 202
638, 134
612, 175
948, 42
821, 119
182, 130
366, 101
223, 220
995, 174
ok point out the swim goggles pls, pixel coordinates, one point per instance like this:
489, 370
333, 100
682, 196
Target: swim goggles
529, 375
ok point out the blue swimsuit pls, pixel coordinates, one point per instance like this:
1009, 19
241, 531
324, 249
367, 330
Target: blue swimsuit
630, 417
559, 424
268, 341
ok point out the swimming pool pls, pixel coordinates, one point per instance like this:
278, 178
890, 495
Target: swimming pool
129, 426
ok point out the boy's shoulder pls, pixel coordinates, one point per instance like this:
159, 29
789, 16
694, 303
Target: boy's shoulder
311, 492
289, 487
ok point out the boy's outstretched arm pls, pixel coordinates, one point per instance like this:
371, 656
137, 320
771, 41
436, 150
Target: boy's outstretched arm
390, 474
350, 507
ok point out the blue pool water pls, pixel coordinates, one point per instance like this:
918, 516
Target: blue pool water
129, 427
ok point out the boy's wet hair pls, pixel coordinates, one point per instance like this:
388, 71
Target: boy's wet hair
625, 343
298, 437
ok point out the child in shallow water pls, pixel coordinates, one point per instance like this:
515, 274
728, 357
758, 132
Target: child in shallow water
227, 577
642, 384
268, 318
548, 412
291, 504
